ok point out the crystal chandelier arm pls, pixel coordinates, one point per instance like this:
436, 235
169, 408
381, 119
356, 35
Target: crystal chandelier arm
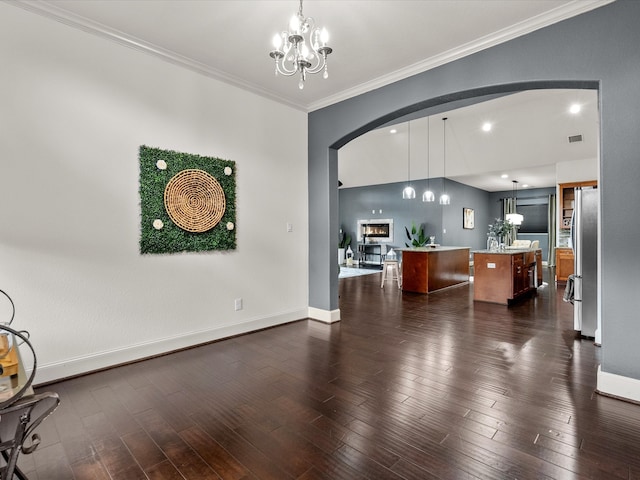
319, 47
283, 47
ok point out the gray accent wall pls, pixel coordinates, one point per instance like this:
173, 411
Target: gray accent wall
366, 202
385, 201
595, 50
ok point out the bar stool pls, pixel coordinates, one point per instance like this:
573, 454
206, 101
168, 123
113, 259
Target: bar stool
394, 265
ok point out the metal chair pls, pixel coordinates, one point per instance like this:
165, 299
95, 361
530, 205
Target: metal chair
17, 425
21, 411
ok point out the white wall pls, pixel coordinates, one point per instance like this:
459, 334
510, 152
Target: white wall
75, 109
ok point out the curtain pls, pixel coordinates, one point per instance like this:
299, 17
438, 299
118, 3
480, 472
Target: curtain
552, 219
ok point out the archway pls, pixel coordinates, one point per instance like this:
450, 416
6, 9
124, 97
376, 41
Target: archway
428, 106
584, 47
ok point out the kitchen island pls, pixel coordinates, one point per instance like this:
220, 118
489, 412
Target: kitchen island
427, 269
505, 276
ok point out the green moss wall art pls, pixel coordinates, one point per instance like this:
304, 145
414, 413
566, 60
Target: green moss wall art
188, 202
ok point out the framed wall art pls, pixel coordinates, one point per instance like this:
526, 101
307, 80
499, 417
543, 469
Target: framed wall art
467, 218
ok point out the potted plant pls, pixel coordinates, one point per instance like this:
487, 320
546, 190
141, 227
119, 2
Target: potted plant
344, 240
498, 232
417, 236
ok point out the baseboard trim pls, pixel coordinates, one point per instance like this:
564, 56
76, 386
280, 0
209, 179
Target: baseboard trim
326, 316
73, 367
624, 388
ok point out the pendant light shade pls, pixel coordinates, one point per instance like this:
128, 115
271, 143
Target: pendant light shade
514, 217
444, 198
408, 193
428, 195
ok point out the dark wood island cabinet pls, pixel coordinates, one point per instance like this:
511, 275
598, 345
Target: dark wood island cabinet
427, 269
503, 277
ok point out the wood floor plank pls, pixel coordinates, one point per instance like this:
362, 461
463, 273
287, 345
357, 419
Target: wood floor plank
189, 464
221, 461
405, 386
163, 471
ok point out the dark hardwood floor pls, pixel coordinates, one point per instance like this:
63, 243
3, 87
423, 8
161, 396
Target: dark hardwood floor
406, 386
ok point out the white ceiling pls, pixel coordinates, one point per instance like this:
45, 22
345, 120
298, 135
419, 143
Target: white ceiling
530, 136
374, 42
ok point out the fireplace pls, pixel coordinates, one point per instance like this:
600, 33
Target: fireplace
376, 230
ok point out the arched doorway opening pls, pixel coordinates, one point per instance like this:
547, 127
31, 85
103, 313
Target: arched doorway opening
323, 282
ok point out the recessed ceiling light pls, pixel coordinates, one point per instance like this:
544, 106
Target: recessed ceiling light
525, 185
575, 108
486, 127
504, 175
393, 130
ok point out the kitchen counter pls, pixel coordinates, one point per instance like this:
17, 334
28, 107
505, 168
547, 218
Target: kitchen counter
505, 276
507, 251
428, 248
427, 269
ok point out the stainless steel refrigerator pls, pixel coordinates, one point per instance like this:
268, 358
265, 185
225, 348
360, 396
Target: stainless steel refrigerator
584, 239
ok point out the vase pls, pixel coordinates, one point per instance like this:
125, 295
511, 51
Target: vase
341, 252
492, 243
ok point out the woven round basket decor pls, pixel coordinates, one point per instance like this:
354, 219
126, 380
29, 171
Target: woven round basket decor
194, 200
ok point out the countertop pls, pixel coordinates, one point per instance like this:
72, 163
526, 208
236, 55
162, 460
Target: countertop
508, 251
438, 248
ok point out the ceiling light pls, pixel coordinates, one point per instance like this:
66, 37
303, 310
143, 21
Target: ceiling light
302, 49
514, 217
525, 185
504, 175
428, 195
444, 198
393, 130
486, 127
408, 193
575, 108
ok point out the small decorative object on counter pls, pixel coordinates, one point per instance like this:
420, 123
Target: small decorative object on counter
492, 243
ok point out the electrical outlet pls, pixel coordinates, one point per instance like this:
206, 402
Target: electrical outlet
238, 304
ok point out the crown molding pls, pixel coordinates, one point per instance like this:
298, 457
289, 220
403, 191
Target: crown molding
576, 7
65, 17
571, 9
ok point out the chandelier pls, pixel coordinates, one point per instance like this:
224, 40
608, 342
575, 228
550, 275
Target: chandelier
302, 49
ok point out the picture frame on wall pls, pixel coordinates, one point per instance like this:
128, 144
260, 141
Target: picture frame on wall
468, 218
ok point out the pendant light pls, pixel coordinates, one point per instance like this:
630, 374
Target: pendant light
408, 193
428, 195
515, 218
444, 198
